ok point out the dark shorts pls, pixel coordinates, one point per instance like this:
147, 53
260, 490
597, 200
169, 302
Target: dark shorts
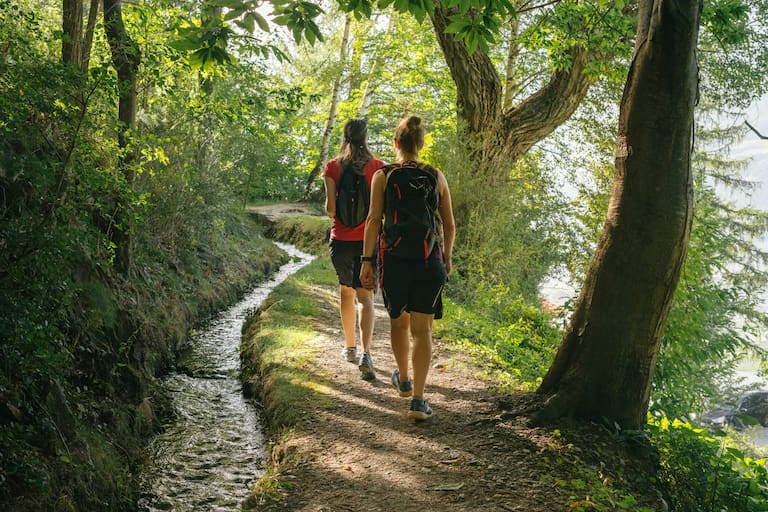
345, 256
413, 285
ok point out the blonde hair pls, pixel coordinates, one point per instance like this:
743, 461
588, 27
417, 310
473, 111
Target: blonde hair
409, 135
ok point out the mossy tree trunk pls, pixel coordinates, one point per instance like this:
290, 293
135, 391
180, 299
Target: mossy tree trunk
126, 58
605, 364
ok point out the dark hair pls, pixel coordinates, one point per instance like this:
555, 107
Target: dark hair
354, 144
409, 135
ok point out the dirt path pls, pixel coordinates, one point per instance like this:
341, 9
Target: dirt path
364, 454
478, 452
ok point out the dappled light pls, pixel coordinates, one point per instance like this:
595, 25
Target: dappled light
572, 175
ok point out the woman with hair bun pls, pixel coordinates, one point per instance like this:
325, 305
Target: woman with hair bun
410, 208
347, 194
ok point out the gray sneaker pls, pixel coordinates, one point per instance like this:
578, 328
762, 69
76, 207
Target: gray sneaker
366, 367
403, 388
420, 410
350, 354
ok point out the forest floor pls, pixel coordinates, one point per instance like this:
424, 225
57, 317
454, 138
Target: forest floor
358, 451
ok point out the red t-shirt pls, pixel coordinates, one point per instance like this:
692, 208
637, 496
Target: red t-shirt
333, 170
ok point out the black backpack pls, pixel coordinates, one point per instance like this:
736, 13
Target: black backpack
411, 200
352, 197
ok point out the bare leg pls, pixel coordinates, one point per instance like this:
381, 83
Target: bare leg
399, 333
421, 329
366, 316
348, 314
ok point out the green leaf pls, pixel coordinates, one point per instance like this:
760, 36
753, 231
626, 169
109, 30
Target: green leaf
234, 13
402, 5
313, 29
456, 26
263, 25
311, 10
471, 41
184, 45
310, 36
247, 23
418, 12
283, 19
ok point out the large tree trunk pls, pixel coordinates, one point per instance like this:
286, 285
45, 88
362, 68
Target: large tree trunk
125, 58
604, 366
324, 144
506, 134
478, 87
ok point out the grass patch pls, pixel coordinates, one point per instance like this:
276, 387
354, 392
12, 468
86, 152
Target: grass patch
279, 349
278, 355
307, 232
267, 492
512, 345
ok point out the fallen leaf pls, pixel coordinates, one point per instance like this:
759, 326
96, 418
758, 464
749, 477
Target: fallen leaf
346, 468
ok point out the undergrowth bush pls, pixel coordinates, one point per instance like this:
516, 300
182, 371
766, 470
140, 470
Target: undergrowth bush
522, 337
701, 471
508, 225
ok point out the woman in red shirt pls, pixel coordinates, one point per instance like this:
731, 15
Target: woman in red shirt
346, 244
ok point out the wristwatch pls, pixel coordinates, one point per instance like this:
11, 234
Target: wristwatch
369, 259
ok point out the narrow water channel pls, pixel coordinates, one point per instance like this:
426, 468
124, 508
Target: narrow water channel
208, 458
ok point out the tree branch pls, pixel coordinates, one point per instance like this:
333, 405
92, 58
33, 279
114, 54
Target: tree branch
755, 130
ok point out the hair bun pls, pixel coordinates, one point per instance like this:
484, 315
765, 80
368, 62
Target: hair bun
414, 122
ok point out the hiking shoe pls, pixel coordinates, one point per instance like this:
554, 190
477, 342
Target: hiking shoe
350, 353
366, 367
404, 388
420, 410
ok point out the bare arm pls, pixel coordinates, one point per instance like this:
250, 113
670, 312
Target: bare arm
330, 196
446, 215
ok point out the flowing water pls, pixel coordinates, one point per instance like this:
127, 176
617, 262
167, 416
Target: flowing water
210, 455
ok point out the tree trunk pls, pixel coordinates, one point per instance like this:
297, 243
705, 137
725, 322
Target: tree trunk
125, 58
324, 144
373, 73
72, 26
510, 83
506, 134
93, 15
355, 78
604, 366
478, 87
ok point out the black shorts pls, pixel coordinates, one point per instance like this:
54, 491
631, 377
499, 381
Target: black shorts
345, 256
413, 285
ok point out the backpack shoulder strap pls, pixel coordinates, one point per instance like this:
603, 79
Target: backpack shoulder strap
387, 169
426, 167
